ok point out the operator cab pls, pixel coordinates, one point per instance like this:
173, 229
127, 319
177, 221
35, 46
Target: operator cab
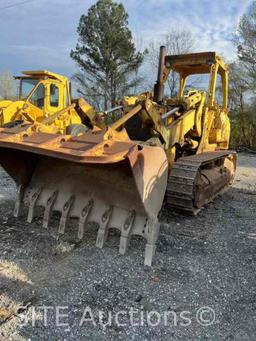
47, 91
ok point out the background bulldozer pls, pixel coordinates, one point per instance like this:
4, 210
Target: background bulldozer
45, 101
118, 176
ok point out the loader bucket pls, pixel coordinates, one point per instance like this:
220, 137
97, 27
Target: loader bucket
117, 184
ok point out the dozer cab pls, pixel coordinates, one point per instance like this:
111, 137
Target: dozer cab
45, 101
172, 149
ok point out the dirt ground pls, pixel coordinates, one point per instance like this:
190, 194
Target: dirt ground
202, 285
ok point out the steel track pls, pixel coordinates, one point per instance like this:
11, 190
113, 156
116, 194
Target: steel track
181, 186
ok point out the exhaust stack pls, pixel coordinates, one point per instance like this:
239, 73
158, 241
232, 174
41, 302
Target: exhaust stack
159, 85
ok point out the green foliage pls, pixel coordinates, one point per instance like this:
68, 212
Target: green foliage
105, 53
243, 127
246, 45
242, 109
243, 84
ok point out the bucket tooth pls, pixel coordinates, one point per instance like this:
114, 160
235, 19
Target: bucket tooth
18, 202
103, 230
126, 232
48, 208
32, 204
84, 217
151, 233
65, 213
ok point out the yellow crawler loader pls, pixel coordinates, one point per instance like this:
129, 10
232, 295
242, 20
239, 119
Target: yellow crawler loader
45, 101
172, 149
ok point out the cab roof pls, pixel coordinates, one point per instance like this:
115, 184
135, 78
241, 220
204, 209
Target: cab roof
41, 74
195, 63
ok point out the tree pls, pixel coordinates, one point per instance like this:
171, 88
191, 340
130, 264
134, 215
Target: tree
176, 42
245, 40
6, 85
242, 106
243, 82
105, 53
239, 107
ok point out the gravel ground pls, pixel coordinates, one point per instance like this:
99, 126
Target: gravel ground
203, 261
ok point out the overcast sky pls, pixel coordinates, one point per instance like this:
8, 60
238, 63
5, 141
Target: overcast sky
39, 34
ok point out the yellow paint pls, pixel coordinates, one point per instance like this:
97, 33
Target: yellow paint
55, 96
202, 124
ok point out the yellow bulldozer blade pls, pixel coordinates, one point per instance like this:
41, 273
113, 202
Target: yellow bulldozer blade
117, 184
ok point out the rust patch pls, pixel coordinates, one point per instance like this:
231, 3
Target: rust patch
40, 138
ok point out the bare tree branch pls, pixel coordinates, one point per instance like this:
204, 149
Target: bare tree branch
176, 42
